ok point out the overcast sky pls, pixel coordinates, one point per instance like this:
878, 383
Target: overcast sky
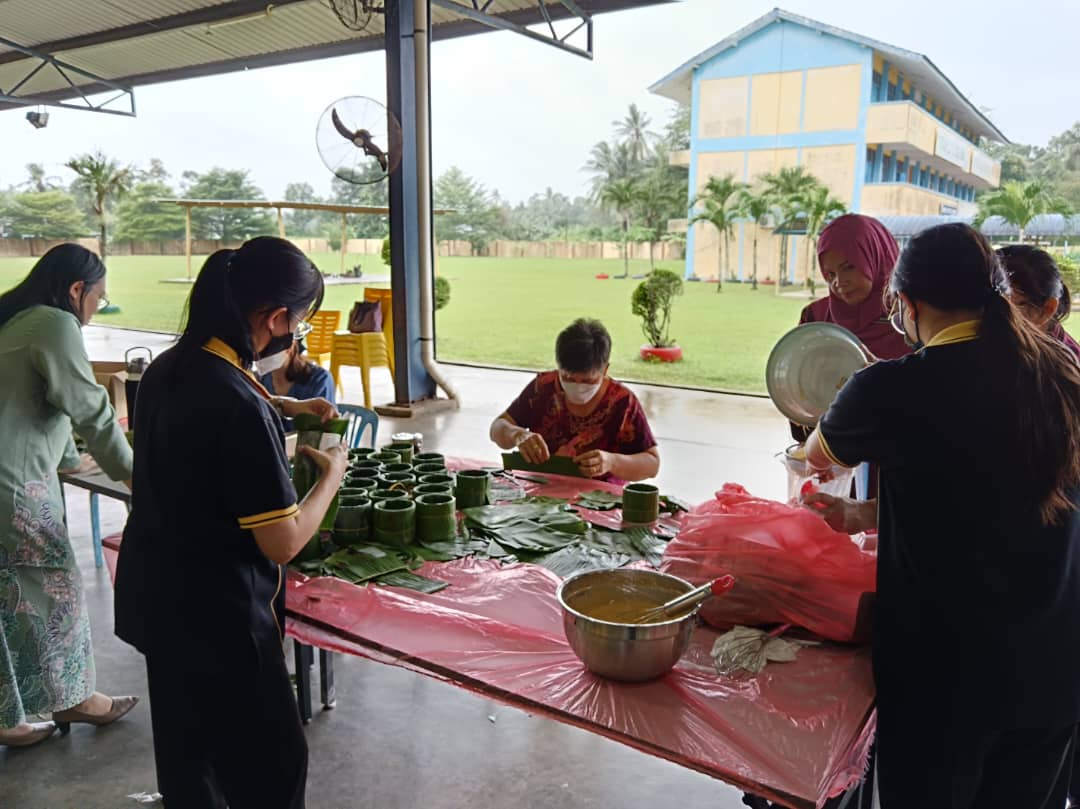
520, 116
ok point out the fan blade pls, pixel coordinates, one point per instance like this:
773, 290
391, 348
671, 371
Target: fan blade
340, 127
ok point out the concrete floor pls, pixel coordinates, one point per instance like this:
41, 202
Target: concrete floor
399, 739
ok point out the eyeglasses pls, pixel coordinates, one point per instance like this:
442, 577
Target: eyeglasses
103, 303
303, 329
896, 317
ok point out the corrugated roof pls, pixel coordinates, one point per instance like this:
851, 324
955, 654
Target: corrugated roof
134, 42
917, 67
1044, 226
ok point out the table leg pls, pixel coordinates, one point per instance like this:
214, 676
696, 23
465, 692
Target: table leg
303, 657
326, 679
95, 530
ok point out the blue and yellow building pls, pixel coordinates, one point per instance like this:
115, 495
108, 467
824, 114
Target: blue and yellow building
881, 126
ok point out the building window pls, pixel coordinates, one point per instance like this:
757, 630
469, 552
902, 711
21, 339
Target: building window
887, 169
875, 87
891, 92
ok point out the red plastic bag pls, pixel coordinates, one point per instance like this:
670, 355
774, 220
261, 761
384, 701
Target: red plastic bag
789, 566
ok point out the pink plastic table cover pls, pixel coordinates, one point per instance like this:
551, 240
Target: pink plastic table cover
798, 733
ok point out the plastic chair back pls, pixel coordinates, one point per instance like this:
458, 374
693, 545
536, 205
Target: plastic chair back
359, 419
320, 342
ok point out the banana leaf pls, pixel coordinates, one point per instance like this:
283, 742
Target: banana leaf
648, 545
358, 567
310, 431
412, 581
599, 500
509, 513
672, 505
555, 465
580, 558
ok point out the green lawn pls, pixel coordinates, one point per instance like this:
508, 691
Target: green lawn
508, 311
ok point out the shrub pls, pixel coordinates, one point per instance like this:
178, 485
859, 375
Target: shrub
652, 300
442, 292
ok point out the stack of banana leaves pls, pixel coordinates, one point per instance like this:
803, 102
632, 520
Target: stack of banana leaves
543, 530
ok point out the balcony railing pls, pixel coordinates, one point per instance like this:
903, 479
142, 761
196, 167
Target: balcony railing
909, 129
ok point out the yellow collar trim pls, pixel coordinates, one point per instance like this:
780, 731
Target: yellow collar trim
219, 348
957, 333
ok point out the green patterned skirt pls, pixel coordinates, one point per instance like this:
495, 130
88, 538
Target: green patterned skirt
46, 657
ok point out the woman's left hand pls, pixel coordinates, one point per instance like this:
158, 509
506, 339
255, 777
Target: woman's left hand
316, 407
595, 463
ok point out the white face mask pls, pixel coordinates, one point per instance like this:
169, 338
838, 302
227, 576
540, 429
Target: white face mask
580, 393
267, 365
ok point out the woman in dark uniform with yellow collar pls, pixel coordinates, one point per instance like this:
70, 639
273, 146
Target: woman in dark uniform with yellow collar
199, 586
977, 438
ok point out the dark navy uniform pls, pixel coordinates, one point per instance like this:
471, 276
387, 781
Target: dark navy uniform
196, 595
977, 636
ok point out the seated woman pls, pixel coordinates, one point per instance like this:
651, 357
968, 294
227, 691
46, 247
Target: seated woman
579, 412
1037, 288
290, 373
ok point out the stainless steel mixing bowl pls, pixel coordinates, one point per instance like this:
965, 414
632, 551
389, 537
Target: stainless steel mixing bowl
624, 651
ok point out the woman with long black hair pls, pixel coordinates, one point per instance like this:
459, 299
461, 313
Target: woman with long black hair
1036, 286
977, 437
199, 585
46, 655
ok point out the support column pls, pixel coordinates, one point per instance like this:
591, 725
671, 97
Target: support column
344, 241
411, 380
280, 224
187, 238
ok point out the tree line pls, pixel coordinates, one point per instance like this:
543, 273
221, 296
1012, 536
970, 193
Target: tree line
116, 201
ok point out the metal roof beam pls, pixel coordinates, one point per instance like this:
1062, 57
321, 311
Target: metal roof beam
40, 61
569, 9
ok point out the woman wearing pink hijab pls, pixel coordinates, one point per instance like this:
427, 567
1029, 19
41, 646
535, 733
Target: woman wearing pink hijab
856, 255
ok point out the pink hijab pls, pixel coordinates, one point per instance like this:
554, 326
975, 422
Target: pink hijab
866, 243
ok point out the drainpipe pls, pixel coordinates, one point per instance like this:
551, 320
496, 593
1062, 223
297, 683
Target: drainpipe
422, 9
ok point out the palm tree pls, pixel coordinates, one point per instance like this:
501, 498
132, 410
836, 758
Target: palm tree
103, 180
819, 207
719, 209
609, 162
633, 130
40, 181
787, 187
756, 207
620, 196
1019, 202
661, 197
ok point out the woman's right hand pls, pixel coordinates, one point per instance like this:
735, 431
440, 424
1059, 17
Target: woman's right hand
533, 447
842, 513
332, 462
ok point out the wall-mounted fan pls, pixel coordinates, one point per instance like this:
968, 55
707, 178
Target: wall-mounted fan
359, 140
355, 14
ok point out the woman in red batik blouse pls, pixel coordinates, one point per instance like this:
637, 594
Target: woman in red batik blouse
579, 412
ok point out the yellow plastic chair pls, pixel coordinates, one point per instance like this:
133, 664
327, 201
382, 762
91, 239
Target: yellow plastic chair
320, 342
364, 351
385, 300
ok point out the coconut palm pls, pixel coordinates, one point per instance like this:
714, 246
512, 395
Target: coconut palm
757, 207
787, 187
1019, 202
609, 162
39, 180
819, 207
718, 201
620, 196
103, 180
633, 130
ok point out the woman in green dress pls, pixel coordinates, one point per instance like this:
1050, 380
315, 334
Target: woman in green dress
46, 657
